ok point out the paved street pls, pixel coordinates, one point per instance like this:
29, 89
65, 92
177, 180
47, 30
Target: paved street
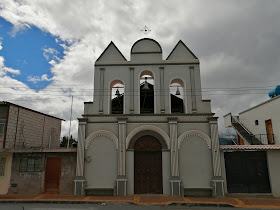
112, 206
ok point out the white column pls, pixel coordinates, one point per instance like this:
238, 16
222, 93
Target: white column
174, 146
162, 92
217, 180
101, 96
193, 91
80, 181
122, 146
174, 180
121, 179
81, 149
215, 147
131, 92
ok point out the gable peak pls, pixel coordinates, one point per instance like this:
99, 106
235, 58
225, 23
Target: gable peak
181, 51
111, 53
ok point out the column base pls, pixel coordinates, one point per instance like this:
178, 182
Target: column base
175, 182
218, 186
80, 184
121, 186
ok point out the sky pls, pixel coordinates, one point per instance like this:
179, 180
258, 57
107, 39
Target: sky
48, 48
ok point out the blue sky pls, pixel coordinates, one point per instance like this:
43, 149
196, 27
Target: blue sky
24, 51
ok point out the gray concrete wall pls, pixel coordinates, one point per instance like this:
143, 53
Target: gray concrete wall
34, 182
101, 163
195, 163
28, 129
273, 160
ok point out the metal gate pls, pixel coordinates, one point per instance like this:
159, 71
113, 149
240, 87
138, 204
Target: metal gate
247, 172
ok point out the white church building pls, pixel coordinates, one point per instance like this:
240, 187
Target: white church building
148, 131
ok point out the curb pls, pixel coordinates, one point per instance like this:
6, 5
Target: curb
201, 205
130, 203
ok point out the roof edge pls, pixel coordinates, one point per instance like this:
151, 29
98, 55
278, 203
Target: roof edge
180, 41
9, 103
111, 43
276, 97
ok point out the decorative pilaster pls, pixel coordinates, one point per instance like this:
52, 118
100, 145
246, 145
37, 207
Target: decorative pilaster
175, 180
80, 181
121, 179
217, 181
101, 96
193, 91
162, 94
132, 90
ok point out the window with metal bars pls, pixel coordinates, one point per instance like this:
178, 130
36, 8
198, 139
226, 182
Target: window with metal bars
31, 162
2, 126
3, 163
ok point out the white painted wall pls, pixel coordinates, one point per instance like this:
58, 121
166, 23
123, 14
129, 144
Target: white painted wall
265, 111
101, 170
273, 159
147, 55
195, 163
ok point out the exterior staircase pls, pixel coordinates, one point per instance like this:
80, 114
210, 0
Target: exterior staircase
245, 133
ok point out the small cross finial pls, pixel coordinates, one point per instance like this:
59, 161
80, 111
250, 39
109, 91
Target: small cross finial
145, 30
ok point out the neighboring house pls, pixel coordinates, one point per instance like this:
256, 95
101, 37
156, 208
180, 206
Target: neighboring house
31, 160
148, 131
253, 165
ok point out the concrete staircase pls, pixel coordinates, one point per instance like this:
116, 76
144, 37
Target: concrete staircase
245, 133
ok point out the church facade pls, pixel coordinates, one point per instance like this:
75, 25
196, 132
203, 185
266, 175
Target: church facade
148, 131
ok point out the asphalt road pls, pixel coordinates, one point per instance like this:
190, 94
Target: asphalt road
112, 206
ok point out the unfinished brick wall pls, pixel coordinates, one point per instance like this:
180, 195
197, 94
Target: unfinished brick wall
29, 129
34, 182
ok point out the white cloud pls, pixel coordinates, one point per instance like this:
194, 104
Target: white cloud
36, 79
235, 45
50, 53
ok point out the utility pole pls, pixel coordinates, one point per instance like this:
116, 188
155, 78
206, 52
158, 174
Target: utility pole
70, 123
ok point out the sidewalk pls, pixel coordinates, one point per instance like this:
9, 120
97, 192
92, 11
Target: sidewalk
146, 200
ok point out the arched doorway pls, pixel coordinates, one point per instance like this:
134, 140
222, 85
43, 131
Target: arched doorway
147, 166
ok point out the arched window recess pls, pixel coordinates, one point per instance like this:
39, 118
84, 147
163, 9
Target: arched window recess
177, 96
117, 97
146, 93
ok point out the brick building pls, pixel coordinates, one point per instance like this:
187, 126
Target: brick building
31, 160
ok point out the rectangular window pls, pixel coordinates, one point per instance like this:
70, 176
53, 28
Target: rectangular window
3, 163
31, 162
256, 122
2, 126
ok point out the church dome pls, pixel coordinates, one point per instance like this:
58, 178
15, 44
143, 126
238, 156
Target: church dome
146, 45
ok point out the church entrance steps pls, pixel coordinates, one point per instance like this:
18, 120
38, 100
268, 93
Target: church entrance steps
245, 202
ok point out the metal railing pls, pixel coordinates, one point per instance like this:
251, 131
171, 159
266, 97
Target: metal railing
235, 120
264, 138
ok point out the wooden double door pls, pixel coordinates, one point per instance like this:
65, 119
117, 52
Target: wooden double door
147, 166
